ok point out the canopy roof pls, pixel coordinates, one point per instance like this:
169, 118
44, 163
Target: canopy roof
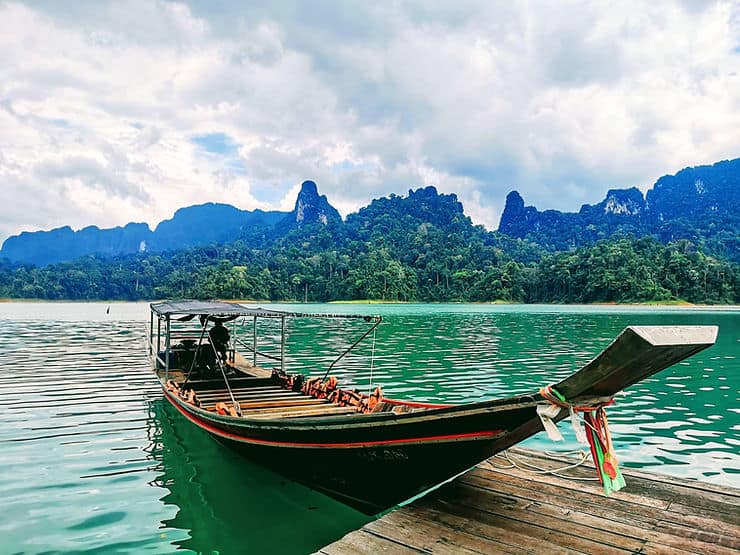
224, 309
210, 308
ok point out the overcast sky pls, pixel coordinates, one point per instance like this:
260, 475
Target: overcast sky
113, 112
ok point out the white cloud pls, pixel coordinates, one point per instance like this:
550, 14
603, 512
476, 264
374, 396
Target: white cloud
99, 103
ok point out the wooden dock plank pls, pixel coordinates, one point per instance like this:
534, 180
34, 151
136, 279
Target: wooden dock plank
714, 508
418, 531
364, 541
687, 503
629, 525
499, 507
707, 521
548, 530
488, 531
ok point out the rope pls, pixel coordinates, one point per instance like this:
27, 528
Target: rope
197, 350
220, 364
348, 349
372, 363
556, 398
533, 468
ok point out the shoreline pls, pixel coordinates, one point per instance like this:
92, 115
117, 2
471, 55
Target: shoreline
684, 305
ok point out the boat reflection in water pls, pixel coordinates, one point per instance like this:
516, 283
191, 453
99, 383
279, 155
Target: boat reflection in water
227, 504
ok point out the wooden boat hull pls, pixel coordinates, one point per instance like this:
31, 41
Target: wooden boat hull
374, 461
372, 479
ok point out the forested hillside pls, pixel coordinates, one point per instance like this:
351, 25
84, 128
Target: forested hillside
416, 248
700, 204
419, 247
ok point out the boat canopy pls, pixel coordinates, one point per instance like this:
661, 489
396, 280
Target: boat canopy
222, 309
210, 308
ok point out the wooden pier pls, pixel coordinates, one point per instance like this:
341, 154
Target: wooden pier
505, 506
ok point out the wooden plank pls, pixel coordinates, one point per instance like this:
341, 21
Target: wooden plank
483, 536
282, 403
435, 537
247, 394
268, 403
717, 506
551, 530
298, 407
660, 534
244, 365
250, 381
246, 402
499, 509
249, 389
573, 491
546, 496
690, 485
620, 508
720, 521
364, 542
549, 506
268, 408
218, 386
693, 497
651, 548
634, 523
329, 410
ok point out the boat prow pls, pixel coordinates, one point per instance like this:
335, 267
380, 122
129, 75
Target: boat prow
637, 353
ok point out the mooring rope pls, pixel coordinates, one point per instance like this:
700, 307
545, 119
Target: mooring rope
516, 462
372, 363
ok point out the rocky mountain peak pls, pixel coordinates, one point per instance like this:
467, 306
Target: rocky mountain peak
310, 207
626, 202
516, 218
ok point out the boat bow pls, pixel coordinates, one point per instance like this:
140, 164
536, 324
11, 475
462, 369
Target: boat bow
637, 353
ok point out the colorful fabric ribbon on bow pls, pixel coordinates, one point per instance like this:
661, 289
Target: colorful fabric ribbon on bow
602, 450
596, 434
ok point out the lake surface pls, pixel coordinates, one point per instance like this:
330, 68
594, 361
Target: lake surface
93, 460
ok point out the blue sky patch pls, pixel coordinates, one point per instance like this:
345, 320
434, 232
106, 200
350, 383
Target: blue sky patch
271, 193
345, 166
216, 143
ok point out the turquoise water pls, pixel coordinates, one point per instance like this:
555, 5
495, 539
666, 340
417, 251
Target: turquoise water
94, 461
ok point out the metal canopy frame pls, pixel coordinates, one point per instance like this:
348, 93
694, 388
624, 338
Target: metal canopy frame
179, 311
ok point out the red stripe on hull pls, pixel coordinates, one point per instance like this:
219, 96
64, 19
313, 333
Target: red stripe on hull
490, 434
416, 404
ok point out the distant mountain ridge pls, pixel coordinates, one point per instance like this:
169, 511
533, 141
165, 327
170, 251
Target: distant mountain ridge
208, 223
701, 204
191, 226
62, 243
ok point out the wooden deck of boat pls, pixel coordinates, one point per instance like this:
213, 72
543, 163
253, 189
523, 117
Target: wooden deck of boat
242, 364
266, 402
239, 362
271, 402
500, 508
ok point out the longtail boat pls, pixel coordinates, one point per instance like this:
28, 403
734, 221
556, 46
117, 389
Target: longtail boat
367, 450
